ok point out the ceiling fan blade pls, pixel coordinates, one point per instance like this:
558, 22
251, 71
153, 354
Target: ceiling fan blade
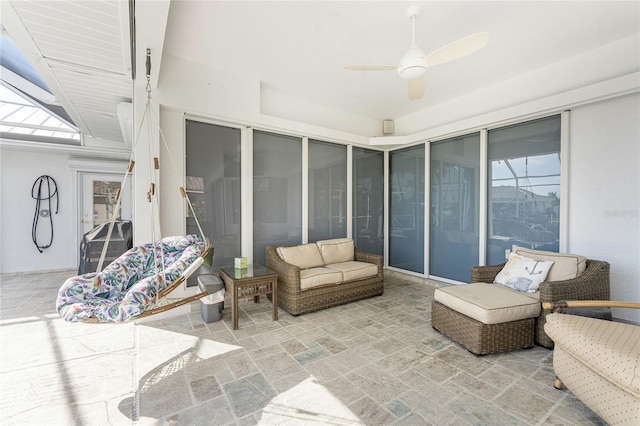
416, 88
457, 49
371, 67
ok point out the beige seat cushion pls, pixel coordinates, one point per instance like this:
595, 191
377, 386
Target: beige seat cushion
336, 250
314, 277
303, 256
354, 270
611, 349
566, 266
488, 303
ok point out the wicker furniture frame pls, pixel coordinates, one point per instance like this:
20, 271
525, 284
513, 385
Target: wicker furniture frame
296, 301
480, 338
592, 284
262, 283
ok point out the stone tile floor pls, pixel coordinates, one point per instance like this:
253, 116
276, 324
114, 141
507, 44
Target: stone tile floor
372, 362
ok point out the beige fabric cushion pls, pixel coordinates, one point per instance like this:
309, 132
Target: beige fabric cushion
354, 270
611, 349
336, 250
566, 267
314, 277
488, 303
612, 403
303, 256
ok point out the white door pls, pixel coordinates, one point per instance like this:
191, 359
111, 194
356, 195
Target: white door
99, 193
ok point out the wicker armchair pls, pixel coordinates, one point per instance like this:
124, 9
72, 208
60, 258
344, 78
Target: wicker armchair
592, 284
296, 301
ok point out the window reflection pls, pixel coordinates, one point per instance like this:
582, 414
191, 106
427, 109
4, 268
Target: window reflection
524, 192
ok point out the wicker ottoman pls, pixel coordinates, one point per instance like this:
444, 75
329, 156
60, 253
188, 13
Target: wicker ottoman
485, 318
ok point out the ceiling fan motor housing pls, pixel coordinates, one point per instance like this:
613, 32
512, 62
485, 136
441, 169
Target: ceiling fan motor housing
413, 64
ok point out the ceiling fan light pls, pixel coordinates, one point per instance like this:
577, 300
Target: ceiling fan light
412, 64
412, 72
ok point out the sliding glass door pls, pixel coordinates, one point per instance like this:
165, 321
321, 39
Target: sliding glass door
454, 219
524, 187
368, 199
213, 185
406, 208
523, 198
277, 192
327, 191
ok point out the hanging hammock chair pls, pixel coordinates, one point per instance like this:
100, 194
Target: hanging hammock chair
139, 282
128, 287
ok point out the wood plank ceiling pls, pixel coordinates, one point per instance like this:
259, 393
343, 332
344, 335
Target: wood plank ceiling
85, 48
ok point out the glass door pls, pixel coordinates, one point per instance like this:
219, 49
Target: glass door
99, 192
454, 218
277, 192
213, 185
327, 191
368, 194
524, 188
406, 208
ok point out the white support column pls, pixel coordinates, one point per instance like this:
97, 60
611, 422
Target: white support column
349, 191
483, 217
305, 190
146, 140
427, 209
246, 193
151, 22
386, 208
565, 138
172, 218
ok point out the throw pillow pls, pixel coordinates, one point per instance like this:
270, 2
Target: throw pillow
523, 273
566, 266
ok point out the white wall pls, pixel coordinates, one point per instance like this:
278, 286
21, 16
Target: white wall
18, 172
604, 198
239, 99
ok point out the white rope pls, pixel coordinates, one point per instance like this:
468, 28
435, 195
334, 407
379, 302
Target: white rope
177, 174
112, 222
148, 118
123, 184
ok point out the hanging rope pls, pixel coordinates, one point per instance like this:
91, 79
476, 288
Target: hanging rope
39, 196
151, 120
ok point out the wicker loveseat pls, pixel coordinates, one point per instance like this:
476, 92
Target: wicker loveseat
324, 274
487, 318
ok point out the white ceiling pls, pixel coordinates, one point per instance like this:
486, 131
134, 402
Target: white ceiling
299, 48
81, 50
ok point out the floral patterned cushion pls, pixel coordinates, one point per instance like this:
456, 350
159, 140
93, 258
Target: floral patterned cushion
127, 286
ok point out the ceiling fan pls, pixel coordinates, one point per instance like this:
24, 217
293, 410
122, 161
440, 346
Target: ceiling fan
414, 63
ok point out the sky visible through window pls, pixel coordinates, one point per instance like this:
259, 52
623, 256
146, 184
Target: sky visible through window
539, 174
27, 106
22, 116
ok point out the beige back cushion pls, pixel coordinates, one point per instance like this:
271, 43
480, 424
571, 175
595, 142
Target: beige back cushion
336, 250
303, 256
566, 266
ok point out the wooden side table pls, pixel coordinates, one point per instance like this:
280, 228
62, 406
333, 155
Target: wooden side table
254, 281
